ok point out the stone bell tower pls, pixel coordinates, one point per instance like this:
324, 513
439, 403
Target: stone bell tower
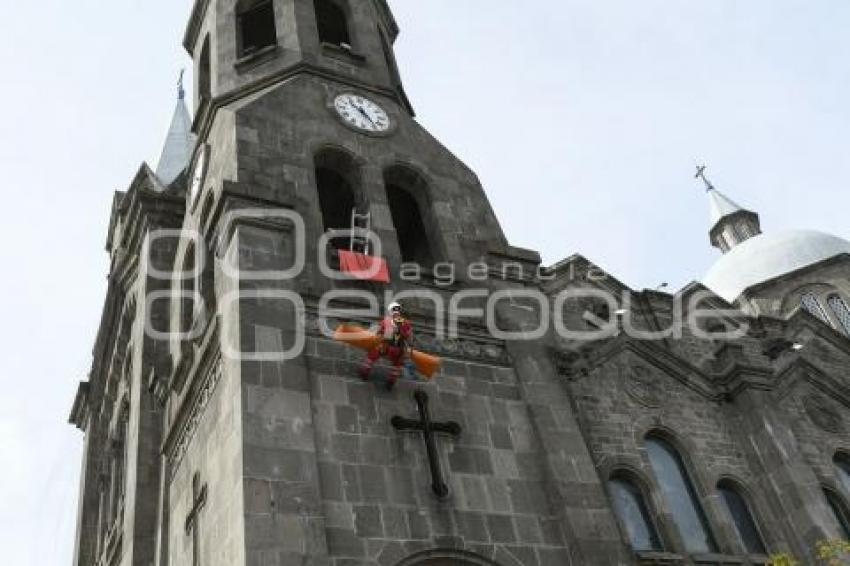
224, 425
273, 451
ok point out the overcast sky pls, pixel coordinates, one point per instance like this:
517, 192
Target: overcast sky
583, 118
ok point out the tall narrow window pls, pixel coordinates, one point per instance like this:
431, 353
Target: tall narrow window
205, 72
742, 518
839, 509
810, 302
332, 23
102, 502
842, 470
336, 177
680, 496
842, 312
188, 288
255, 26
405, 193
118, 452
633, 514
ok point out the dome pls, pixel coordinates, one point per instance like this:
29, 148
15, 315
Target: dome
768, 256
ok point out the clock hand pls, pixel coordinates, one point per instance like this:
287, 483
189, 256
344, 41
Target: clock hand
365, 114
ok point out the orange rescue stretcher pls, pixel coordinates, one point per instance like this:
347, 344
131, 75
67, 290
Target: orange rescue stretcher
360, 338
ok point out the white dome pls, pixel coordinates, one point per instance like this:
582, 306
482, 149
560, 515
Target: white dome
768, 256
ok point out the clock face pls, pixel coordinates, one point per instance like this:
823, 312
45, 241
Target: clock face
362, 113
198, 177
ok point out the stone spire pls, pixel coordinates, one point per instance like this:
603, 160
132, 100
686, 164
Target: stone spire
731, 224
179, 143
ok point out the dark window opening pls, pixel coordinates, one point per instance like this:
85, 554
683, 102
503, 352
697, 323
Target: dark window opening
839, 510
207, 210
256, 27
336, 200
332, 23
409, 227
204, 72
187, 294
680, 495
742, 518
842, 468
633, 514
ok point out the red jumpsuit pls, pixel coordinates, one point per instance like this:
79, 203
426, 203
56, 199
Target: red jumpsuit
397, 334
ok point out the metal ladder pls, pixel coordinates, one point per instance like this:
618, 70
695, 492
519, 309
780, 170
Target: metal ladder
361, 227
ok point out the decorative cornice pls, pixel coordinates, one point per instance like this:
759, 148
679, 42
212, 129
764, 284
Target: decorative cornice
823, 414
177, 443
801, 369
664, 360
467, 346
206, 113
80, 409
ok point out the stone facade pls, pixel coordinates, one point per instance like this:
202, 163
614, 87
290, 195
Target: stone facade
205, 447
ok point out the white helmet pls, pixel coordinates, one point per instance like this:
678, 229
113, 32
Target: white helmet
393, 306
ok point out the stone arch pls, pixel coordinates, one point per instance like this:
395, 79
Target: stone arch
439, 557
657, 538
674, 471
841, 463
818, 292
338, 181
333, 22
840, 510
740, 504
409, 198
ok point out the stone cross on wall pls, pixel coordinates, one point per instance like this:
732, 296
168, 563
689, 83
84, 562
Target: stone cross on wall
199, 500
427, 427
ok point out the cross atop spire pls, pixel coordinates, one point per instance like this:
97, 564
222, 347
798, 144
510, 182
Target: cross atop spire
701, 175
731, 224
179, 142
181, 92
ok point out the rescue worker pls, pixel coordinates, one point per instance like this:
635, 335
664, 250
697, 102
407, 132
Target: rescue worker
396, 333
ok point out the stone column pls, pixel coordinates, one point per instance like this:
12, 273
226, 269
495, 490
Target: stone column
578, 498
283, 506
783, 474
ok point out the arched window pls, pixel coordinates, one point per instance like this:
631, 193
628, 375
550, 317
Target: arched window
446, 558
207, 209
407, 192
188, 287
633, 514
118, 463
332, 23
742, 518
255, 26
810, 302
205, 72
680, 496
842, 470
841, 311
839, 509
337, 176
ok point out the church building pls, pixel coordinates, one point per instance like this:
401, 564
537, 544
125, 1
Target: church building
573, 420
